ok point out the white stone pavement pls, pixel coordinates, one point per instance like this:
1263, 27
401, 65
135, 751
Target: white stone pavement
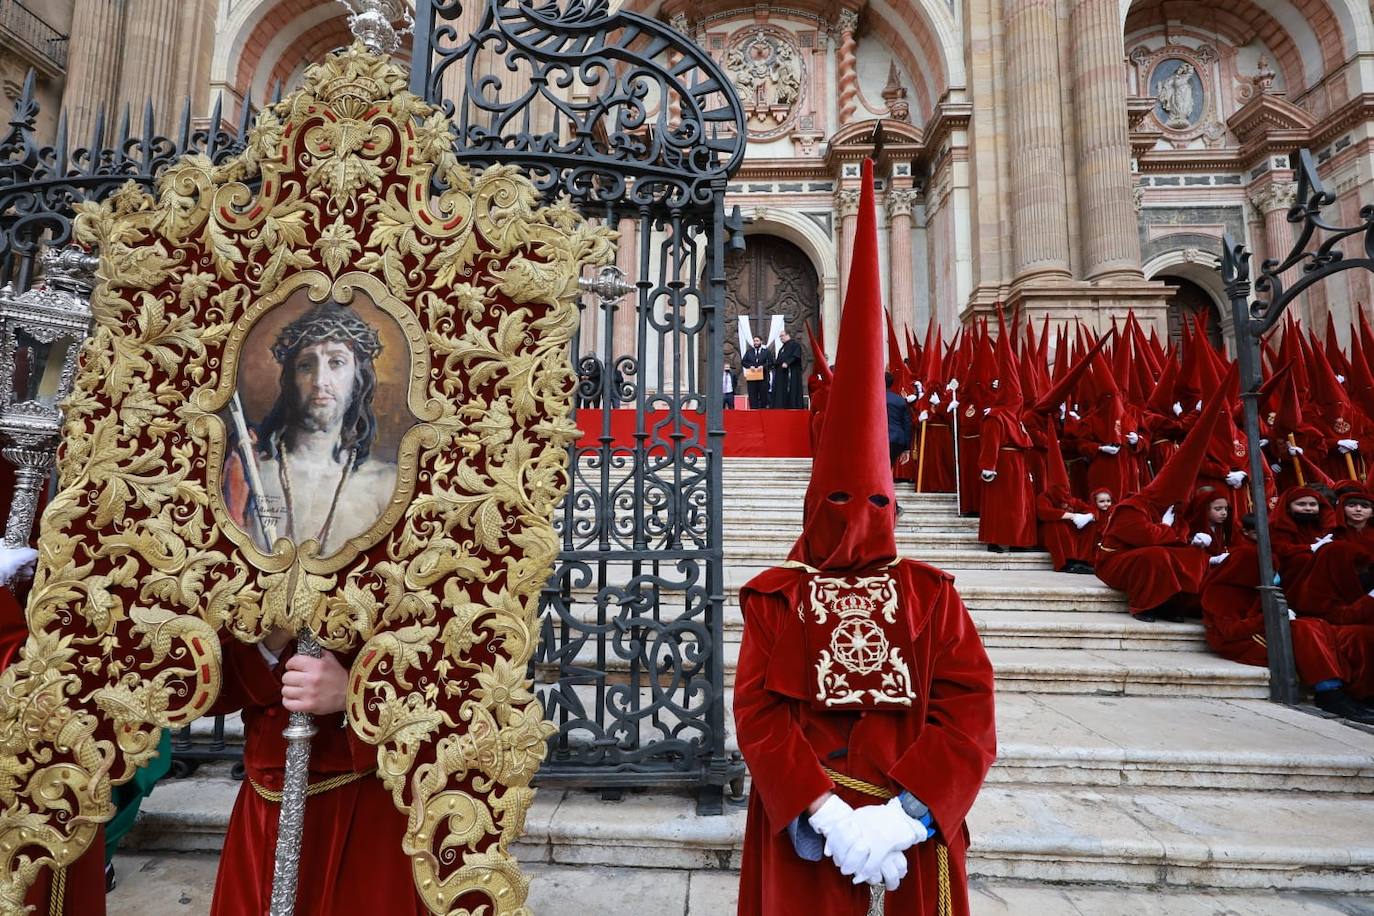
181, 885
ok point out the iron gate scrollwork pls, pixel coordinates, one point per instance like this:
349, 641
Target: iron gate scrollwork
637, 126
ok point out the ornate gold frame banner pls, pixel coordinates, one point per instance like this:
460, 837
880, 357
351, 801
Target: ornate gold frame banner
181, 524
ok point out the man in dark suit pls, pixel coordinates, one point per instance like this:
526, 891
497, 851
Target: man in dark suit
757, 357
899, 425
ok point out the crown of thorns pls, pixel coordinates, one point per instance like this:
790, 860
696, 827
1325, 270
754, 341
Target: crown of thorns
327, 322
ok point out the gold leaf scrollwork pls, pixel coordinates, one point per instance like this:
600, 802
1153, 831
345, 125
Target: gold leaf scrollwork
144, 572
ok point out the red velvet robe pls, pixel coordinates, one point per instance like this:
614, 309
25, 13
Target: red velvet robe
1008, 514
1331, 589
937, 474
1234, 622
970, 482
1149, 561
1064, 541
940, 751
351, 858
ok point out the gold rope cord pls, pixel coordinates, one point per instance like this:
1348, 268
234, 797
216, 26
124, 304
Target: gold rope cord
946, 900
57, 893
315, 788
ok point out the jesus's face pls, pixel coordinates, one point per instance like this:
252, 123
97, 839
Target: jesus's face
324, 374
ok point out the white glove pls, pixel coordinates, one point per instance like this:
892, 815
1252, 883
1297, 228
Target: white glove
1349, 445
886, 829
1109, 449
1264, 443
920, 389
989, 476
1178, 409
1202, 539
1074, 414
1294, 450
953, 406
1321, 542
893, 869
925, 415
1219, 559
934, 399
1276, 468
986, 411
1168, 516
1292, 615
1082, 520
1132, 437
844, 840
911, 399
16, 561
1235, 480
1198, 406
1340, 378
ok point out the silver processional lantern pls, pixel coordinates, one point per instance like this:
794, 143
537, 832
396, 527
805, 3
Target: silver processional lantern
41, 333
373, 22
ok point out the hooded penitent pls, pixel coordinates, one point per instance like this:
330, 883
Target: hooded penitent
850, 508
1173, 485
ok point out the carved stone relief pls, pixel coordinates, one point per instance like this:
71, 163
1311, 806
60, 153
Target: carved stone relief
766, 67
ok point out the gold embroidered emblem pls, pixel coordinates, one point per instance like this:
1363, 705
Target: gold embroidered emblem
1341, 426
858, 666
971, 412
1238, 446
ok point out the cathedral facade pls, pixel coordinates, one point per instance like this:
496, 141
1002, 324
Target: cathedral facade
1076, 158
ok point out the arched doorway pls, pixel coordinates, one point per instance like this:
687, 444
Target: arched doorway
1186, 303
770, 277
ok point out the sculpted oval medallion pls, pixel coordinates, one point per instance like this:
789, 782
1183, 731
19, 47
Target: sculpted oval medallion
1179, 94
322, 390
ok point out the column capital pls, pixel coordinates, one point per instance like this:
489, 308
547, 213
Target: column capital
901, 201
1279, 194
847, 202
847, 22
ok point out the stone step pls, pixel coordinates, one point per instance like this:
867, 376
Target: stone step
760, 554
1091, 672
161, 884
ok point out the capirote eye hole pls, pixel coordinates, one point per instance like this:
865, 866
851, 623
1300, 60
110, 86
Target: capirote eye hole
839, 497
879, 500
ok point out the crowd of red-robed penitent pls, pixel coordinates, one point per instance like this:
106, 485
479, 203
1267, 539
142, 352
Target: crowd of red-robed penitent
1102, 450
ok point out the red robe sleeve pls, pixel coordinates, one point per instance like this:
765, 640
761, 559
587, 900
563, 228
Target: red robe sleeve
990, 444
1230, 597
788, 777
946, 764
1047, 511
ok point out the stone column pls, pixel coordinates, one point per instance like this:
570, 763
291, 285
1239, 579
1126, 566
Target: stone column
846, 216
901, 286
96, 46
625, 341
1039, 195
1271, 204
150, 58
848, 67
1107, 222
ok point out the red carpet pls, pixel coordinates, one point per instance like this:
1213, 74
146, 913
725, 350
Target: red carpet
748, 433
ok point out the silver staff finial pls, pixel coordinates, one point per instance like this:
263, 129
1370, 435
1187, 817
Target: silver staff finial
373, 23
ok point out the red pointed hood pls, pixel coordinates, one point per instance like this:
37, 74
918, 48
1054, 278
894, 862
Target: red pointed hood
901, 378
1056, 472
1008, 391
1334, 354
1163, 397
819, 365
1066, 381
1173, 485
850, 508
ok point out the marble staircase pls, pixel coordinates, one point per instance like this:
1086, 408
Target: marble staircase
1131, 761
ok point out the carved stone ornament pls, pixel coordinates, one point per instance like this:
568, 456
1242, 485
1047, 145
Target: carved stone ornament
448, 313
765, 65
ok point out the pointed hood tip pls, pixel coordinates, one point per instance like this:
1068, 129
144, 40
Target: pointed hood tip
850, 508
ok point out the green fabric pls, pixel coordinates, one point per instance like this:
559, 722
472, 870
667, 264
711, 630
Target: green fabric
128, 797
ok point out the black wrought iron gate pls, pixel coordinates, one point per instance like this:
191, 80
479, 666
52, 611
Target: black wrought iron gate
637, 126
